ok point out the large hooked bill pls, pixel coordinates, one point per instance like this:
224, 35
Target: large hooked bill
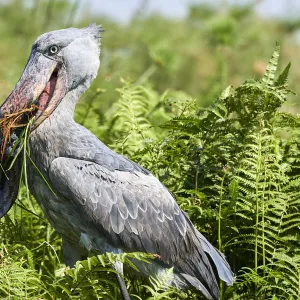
36, 95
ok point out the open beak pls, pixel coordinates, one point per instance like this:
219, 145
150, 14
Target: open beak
41, 88
42, 85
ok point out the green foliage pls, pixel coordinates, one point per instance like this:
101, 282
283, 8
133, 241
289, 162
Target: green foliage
17, 281
231, 158
233, 168
93, 278
235, 165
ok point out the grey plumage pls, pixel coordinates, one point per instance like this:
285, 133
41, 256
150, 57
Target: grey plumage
103, 201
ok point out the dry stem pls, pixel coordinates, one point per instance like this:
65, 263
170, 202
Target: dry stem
10, 122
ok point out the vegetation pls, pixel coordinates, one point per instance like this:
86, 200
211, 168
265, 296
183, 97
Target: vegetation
230, 157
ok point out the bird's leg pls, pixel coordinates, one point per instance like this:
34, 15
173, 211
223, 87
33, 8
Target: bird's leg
118, 266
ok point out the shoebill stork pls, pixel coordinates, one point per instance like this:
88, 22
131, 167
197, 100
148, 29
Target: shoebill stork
102, 201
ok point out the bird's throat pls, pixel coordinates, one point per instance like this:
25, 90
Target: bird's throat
48, 91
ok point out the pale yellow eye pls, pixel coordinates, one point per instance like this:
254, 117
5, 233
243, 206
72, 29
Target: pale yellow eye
53, 49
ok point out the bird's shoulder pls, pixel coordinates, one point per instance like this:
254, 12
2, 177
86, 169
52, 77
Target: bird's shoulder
84, 145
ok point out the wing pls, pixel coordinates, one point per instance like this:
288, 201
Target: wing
132, 208
135, 212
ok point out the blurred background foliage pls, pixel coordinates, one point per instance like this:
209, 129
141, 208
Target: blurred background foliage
174, 73
214, 46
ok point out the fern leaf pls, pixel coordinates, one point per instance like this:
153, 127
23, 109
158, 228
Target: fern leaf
282, 78
269, 76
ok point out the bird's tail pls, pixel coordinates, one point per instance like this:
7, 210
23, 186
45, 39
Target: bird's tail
218, 259
205, 266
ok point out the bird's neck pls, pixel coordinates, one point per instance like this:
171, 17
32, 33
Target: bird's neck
52, 137
66, 107
62, 117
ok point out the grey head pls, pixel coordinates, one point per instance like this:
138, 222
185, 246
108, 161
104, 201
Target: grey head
76, 49
60, 62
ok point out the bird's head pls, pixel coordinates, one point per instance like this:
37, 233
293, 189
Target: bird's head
60, 62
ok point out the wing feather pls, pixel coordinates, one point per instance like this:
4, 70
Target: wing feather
132, 201
131, 210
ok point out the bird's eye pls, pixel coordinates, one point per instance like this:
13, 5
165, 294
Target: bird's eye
53, 49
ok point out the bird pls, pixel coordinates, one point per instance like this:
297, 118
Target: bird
98, 200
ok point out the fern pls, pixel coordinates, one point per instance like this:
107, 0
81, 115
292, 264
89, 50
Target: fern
17, 281
232, 153
270, 73
233, 166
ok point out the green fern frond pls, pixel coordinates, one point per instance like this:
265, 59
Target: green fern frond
282, 78
269, 76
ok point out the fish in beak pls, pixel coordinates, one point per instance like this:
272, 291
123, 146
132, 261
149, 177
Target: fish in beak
36, 95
